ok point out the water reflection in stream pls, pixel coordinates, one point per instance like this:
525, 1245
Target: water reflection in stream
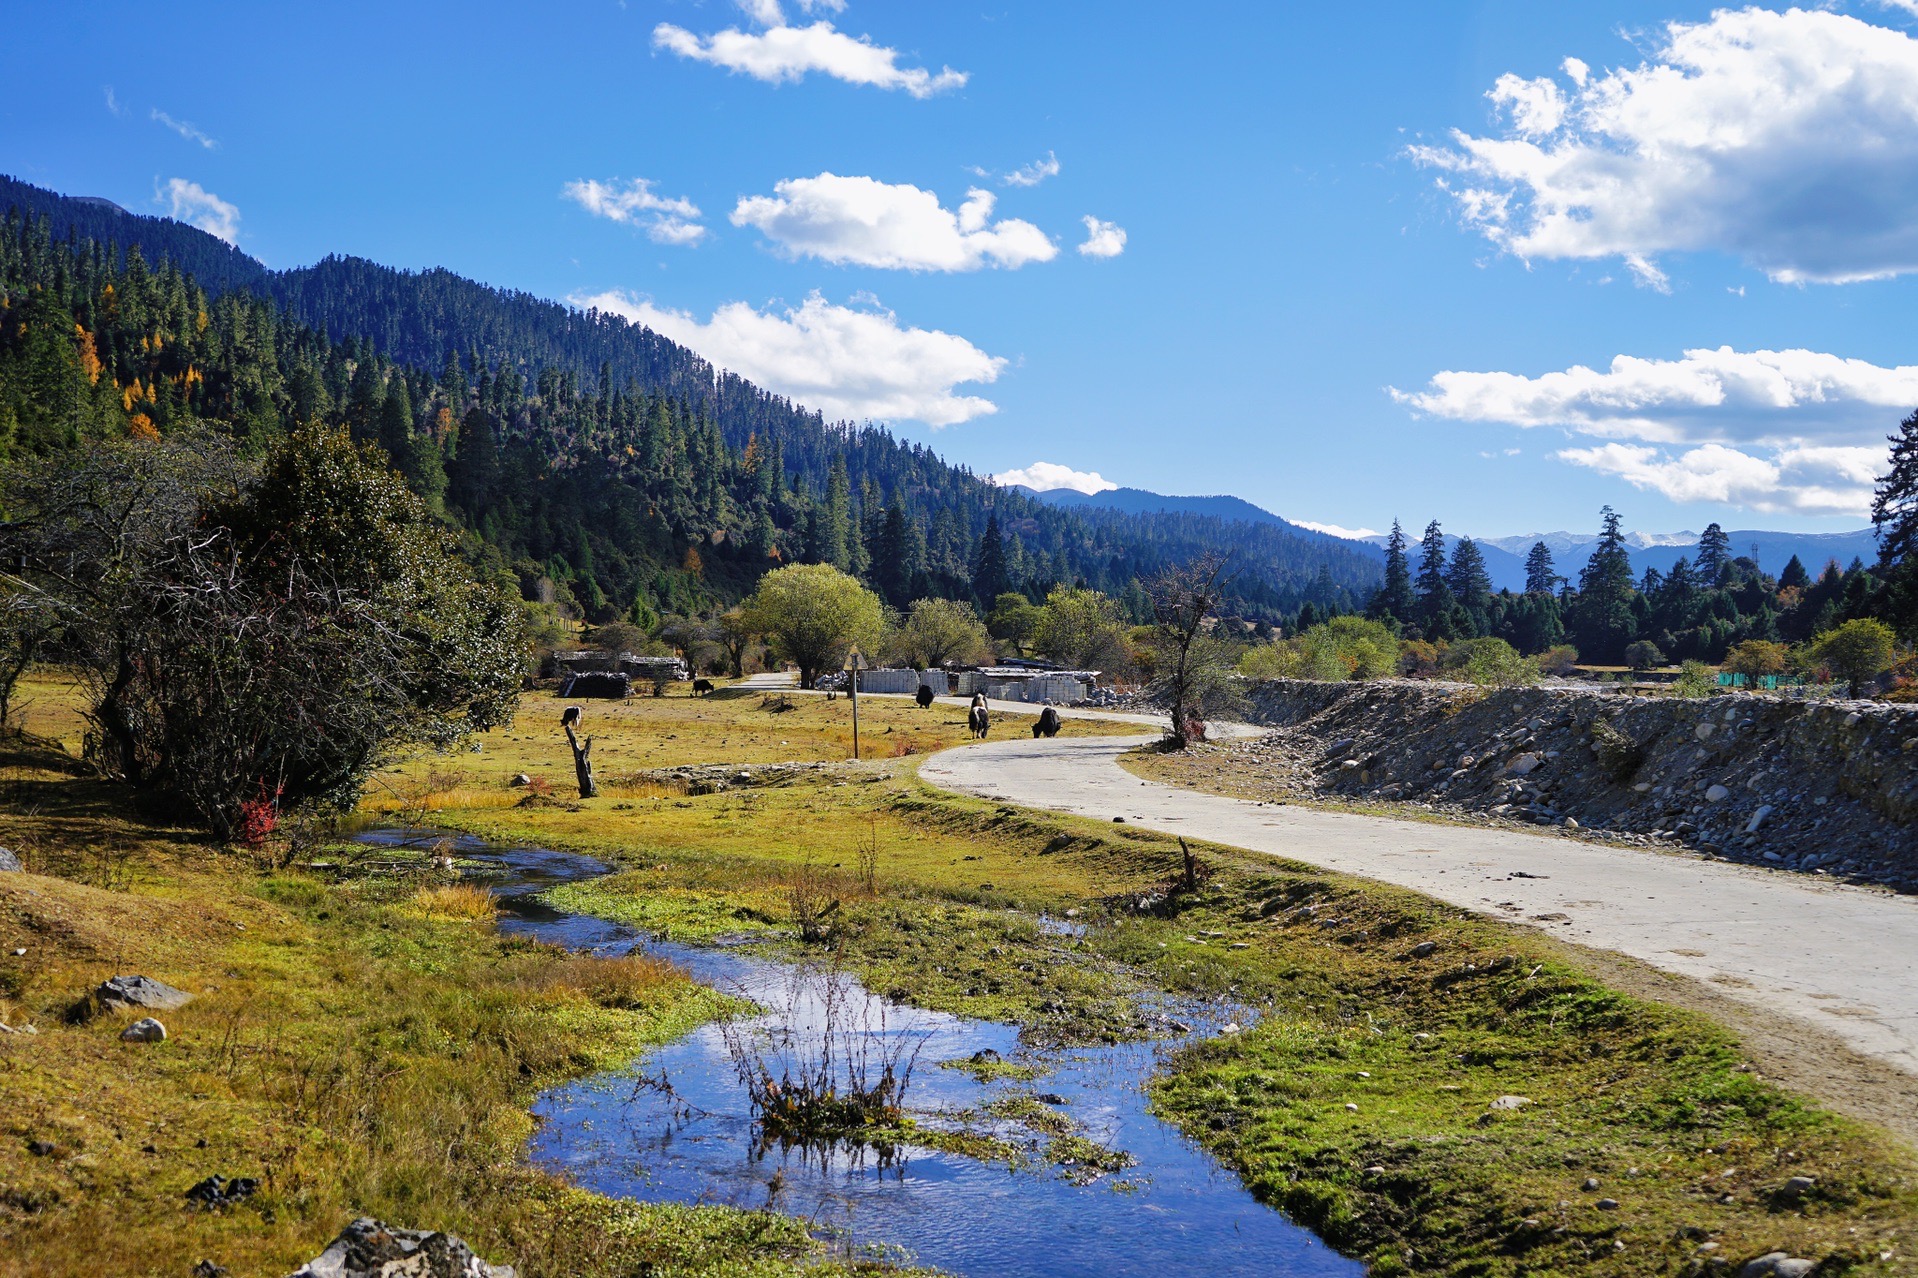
1175, 1212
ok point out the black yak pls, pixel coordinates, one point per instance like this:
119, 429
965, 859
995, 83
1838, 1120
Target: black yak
702, 686
569, 718
924, 695
1048, 725
978, 721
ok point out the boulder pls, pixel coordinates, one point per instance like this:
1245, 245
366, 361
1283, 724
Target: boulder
9, 863
520, 779
368, 1249
1758, 818
1777, 1264
144, 1030
139, 991
1524, 765
1717, 794
1511, 1102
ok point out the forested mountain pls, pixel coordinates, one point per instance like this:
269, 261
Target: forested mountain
607, 468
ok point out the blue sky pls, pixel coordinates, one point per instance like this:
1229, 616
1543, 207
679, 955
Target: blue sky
1378, 260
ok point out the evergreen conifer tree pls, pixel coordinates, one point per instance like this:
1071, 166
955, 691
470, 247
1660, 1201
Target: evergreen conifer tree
1541, 575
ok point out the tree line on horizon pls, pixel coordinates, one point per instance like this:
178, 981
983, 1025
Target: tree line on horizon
640, 486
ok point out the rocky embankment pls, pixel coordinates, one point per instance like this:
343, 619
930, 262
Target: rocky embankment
1828, 787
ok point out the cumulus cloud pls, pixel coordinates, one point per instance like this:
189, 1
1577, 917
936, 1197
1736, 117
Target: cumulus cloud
190, 202
1103, 239
1046, 476
1792, 430
1708, 396
1039, 170
180, 127
1805, 481
1789, 140
666, 220
780, 54
1334, 530
847, 363
865, 222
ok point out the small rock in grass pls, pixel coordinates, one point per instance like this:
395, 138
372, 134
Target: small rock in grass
1777, 1264
144, 1030
520, 779
39, 1148
139, 991
1350, 1108
1375, 1170
9, 863
1511, 1102
1798, 1186
1424, 948
1606, 1204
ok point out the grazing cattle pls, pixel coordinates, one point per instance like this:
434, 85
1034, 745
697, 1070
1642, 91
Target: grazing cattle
924, 695
569, 718
979, 722
1048, 725
702, 686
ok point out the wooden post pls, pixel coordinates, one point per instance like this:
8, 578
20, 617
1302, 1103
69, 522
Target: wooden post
582, 764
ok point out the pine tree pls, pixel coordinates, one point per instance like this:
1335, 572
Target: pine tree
1603, 616
1396, 600
990, 575
1714, 554
1541, 575
1794, 577
1435, 596
1468, 578
835, 538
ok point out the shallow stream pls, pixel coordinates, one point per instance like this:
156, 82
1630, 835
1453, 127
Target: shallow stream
1175, 1211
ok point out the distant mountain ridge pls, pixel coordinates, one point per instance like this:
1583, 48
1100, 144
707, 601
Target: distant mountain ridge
569, 369
1505, 556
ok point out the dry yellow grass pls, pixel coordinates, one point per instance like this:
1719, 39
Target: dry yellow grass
456, 902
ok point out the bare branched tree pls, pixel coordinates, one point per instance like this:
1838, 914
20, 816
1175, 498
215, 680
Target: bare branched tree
1192, 667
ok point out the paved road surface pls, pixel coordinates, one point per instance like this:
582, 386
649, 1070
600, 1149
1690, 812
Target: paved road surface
1840, 958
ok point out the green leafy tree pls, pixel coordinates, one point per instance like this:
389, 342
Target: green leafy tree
1643, 654
813, 613
1490, 662
936, 631
1758, 657
1083, 629
1014, 620
1858, 651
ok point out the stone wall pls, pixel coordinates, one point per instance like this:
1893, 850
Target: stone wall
1824, 786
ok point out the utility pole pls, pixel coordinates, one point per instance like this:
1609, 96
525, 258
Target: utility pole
854, 664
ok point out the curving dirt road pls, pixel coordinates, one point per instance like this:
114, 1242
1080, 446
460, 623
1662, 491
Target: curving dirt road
1819, 978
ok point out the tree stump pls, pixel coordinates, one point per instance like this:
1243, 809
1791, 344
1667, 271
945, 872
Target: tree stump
582, 763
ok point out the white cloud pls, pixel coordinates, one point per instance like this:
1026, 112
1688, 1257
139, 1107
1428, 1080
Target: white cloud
782, 54
865, 222
847, 363
1906, 6
1793, 430
1046, 476
1805, 481
666, 220
1787, 139
765, 12
190, 202
114, 106
1039, 170
1334, 530
1708, 396
180, 127
1103, 239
